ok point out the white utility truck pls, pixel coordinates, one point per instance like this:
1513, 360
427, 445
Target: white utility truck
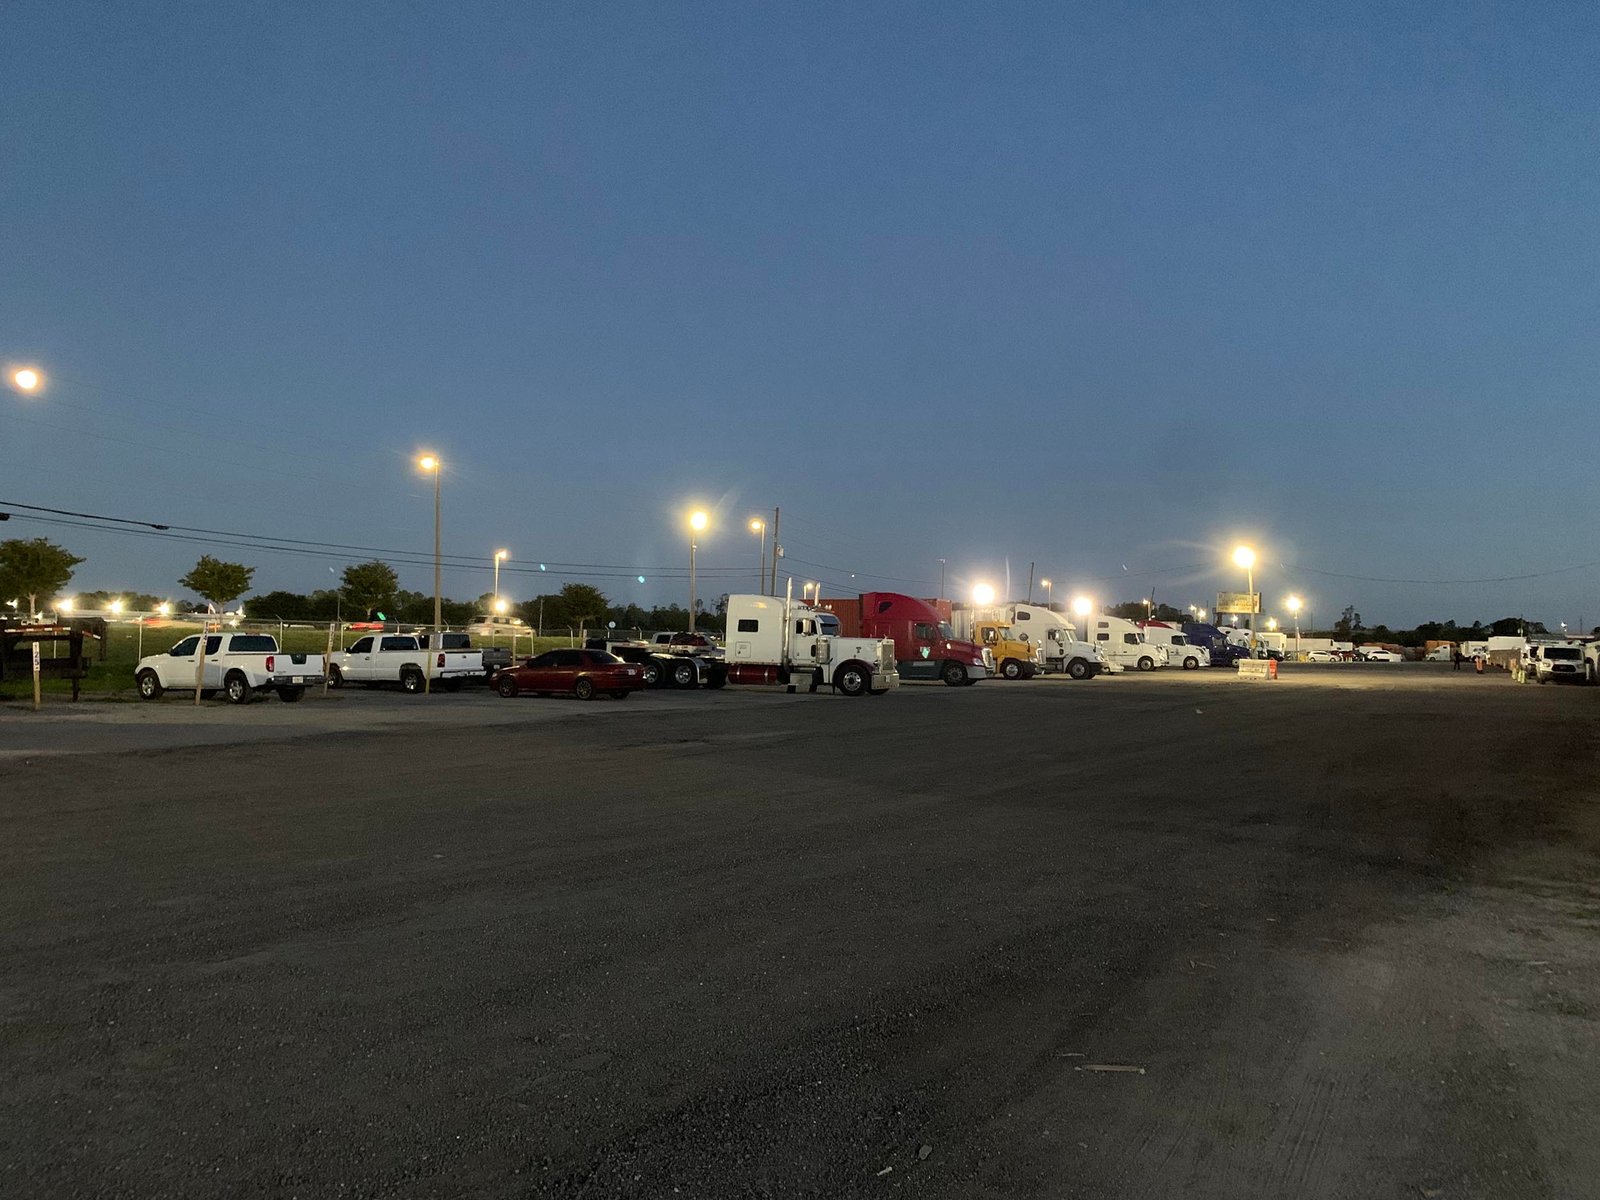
1060, 650
401, 658
1552, 662
772, 639
239, 665
1123, 643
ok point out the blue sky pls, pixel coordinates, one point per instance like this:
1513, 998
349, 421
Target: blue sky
1094, 286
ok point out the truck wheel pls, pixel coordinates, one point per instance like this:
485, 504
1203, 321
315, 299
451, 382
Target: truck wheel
507, 686
1011, 669
290, 694
1147, 664
652, 674
335, 677
236, 688
1077, 669
583, 689
953, 674
852, 679
411, 681
1191, 664
149, 684
683, 674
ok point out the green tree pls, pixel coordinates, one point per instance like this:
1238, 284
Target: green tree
34, 567
1349, 621
370, 586
585, 604
218, 581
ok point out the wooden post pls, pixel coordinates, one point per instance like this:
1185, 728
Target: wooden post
200, 663
327, 661
36, 677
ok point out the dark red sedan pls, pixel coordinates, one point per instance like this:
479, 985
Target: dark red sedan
581, 673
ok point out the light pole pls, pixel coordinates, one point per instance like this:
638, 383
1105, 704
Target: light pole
1293, 605
697, 522
758, 526
1048, 601
499, 557
941, 579
430, 462
1245, 557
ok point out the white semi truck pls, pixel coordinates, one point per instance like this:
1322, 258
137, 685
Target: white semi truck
773, 639
1061, 651
1123, 643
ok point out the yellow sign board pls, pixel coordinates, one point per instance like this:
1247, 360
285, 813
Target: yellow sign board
1238, 602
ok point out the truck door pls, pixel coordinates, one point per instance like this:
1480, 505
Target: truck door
182, 662
214, 661
358, 660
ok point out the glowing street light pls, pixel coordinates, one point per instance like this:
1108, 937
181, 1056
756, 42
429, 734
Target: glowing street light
983, 595
1045, 583
164, 608
501, 607
1082, 606
430, 464
499, 557
27, 379
759, 528
1245, 558
697, 524
64, 605
1293, 604
116, 608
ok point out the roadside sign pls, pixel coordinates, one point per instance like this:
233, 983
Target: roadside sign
1238, 602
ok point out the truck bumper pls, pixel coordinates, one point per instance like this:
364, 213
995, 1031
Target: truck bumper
302, 679
884, 680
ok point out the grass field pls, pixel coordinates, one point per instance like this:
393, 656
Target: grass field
114, 675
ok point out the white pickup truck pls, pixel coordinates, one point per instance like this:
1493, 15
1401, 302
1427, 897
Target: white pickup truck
239, 665
400, 658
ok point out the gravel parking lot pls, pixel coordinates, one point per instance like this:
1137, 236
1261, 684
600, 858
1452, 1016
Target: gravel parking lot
1145, 936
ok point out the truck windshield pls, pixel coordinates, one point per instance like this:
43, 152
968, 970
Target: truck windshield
245, 643
1569, 653
946, 632
1179, 640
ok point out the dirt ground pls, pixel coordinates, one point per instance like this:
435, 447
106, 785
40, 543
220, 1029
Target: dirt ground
1180, 935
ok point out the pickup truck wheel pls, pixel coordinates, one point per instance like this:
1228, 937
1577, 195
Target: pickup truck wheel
335, 677
149, 685
1147, 663
953, 674
1077, 669
290, 694
236, 688
652, 674
852, 679
683, 674
411, 681
507, 686
1011, 669
583, 689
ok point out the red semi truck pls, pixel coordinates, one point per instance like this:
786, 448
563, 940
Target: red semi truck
925, 647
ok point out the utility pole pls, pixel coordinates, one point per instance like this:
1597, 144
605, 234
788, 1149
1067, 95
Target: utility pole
1030, 583
777, 551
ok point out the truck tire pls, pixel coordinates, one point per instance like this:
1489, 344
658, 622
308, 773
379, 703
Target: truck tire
852, 679
335, 677
1077, 669
149, 685
506, 686
652, 674
1191, 664
583, 689
1147, 663
236, 688
411, 680
291, 693
683, 674
1011, 669
953, 674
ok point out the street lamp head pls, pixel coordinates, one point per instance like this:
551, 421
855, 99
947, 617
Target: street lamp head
1293, 604
983, 594
428, 462
1272, 623
502, 555
164, 609
757, 524
1082, 605
698, 520
1200, 613
1244, 557
500, 606
64, 604
27, 379
116, 608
